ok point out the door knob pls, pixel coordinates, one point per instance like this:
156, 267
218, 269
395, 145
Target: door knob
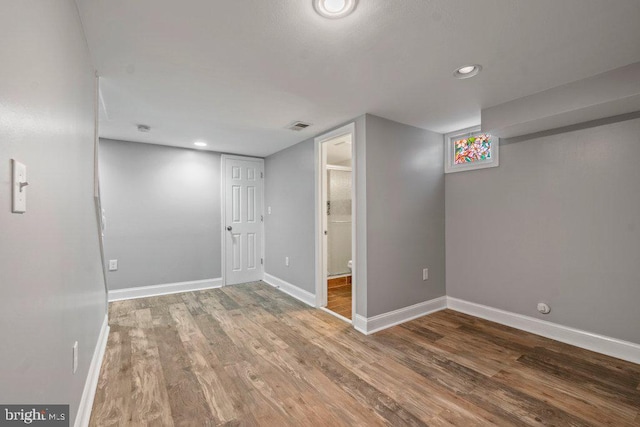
229, 228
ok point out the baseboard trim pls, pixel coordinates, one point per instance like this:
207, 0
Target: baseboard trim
370, 325
614, 347
289, 289
360, 323
91, 384
166, 289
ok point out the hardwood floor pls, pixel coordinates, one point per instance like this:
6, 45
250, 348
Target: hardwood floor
251, 355
339, 296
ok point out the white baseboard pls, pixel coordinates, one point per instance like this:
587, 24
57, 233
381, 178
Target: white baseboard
599, 343
360, 323
286, 287
91, 384
370, 325
166, 289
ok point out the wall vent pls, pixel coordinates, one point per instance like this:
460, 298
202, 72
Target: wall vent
298, 126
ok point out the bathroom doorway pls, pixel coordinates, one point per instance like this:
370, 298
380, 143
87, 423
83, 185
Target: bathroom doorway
336, 190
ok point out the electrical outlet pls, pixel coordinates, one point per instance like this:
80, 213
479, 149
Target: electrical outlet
75, 357
425, 274
269, 210
544, 308
286, 261
113, 264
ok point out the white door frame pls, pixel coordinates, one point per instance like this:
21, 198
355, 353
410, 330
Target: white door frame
320, 193
223, 212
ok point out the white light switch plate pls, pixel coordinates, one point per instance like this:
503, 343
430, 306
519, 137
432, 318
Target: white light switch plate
75, 357
19, 202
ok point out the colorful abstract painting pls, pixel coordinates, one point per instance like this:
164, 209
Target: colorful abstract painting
472, 149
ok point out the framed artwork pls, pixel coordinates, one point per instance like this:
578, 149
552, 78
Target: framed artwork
470, 149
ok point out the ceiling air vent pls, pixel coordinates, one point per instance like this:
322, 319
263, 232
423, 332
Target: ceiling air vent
298, 126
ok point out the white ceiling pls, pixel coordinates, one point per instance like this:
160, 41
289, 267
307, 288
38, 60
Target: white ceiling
339, 150
235, 73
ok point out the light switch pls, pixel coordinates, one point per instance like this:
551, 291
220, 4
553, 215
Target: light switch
19, 187
75, 357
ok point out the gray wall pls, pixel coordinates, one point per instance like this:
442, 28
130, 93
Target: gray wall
50, 269
400, 215
558, 221
163, 213
405, 215
289, 229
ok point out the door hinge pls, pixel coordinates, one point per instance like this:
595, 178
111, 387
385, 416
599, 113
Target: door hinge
261, 261
262, 218
261, 174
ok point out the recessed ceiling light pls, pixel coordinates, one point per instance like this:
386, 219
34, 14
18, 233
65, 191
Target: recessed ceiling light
467, 71
334, 9
200, 144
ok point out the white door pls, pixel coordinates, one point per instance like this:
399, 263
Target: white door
243, 219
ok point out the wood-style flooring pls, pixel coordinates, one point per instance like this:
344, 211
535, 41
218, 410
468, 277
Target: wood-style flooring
339, 296
251, 355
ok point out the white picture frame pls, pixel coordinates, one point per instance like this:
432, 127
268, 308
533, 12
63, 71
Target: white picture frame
449, 151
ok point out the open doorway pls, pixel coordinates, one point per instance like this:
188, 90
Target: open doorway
335, 219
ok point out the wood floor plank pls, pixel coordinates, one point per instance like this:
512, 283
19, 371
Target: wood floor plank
326, 396
339, 297
480, 390
219, 342
611, 377
601, 386
225, 300
567, 396
425, 333
150, 399
203, 362
251, 355
113, 394
185, 395
193, 304
386, 407
485, 359
530, 341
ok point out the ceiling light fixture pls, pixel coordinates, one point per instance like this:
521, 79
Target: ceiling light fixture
467, 71
334, 9
200, 144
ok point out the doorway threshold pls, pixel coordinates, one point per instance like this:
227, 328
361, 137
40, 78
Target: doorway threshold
336, 315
